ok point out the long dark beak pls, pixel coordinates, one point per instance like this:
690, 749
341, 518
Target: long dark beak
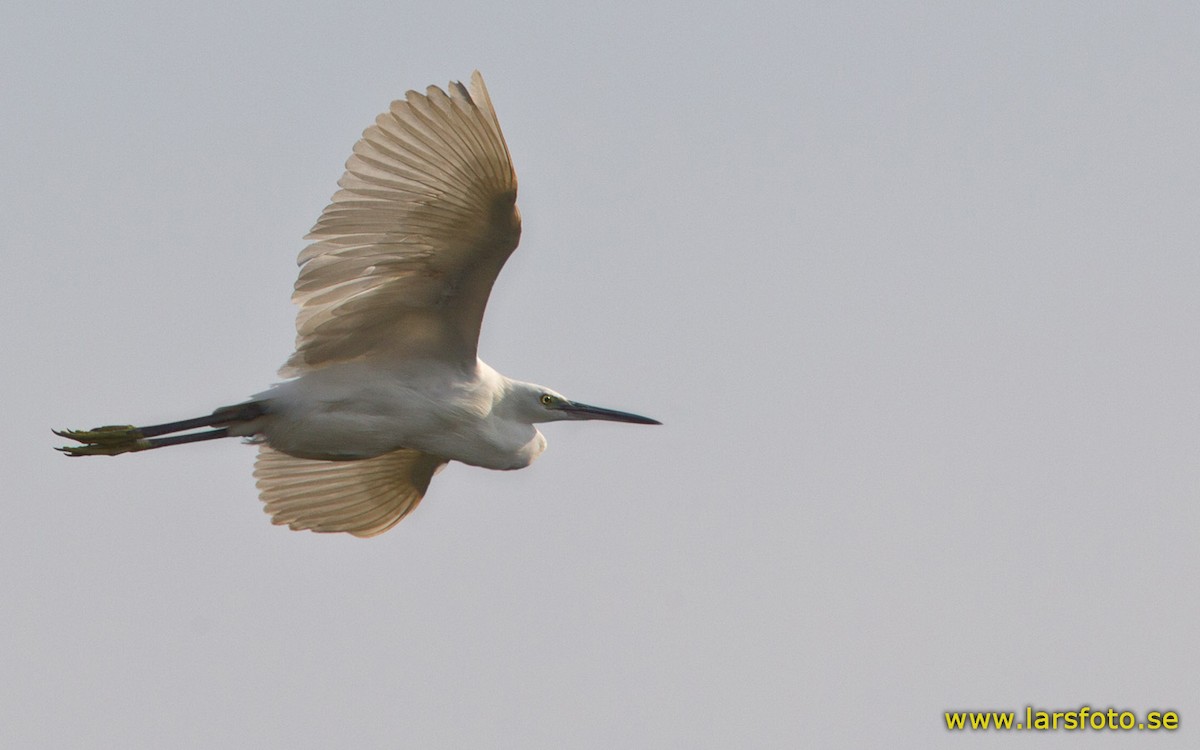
584, 411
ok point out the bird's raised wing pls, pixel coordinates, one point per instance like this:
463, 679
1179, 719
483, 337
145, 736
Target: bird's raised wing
406, 253
363, 498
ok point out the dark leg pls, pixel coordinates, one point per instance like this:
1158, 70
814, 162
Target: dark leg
142, 444
113, 440
226, 415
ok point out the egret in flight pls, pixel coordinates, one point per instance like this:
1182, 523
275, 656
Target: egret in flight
385, 387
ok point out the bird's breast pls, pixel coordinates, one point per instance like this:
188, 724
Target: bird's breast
491, 446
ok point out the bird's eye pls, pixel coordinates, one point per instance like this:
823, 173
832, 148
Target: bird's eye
547, 399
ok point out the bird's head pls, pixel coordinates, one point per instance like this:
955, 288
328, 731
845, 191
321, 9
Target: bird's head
536, 403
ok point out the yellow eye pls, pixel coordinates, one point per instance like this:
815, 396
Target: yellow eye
547, 399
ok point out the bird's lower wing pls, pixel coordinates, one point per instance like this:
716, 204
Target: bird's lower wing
363, 498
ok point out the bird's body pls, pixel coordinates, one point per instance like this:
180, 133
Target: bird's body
385, 384
363, 409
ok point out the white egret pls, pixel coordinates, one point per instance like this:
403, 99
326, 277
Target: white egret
386, 386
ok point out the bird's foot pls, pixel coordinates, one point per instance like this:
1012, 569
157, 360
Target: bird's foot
110, 440
107, 435
103, 450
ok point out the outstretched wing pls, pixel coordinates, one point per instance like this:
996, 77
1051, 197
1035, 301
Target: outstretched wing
406, 253
363, 498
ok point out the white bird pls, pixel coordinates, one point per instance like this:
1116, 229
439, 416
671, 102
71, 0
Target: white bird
386, 386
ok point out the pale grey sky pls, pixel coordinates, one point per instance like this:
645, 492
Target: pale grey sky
912, 286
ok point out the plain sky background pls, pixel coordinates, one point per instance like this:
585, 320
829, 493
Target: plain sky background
915, 289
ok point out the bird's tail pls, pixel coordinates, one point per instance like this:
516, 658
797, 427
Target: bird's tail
113, 440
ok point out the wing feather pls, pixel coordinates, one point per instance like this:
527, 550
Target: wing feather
363, 498
404, 256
